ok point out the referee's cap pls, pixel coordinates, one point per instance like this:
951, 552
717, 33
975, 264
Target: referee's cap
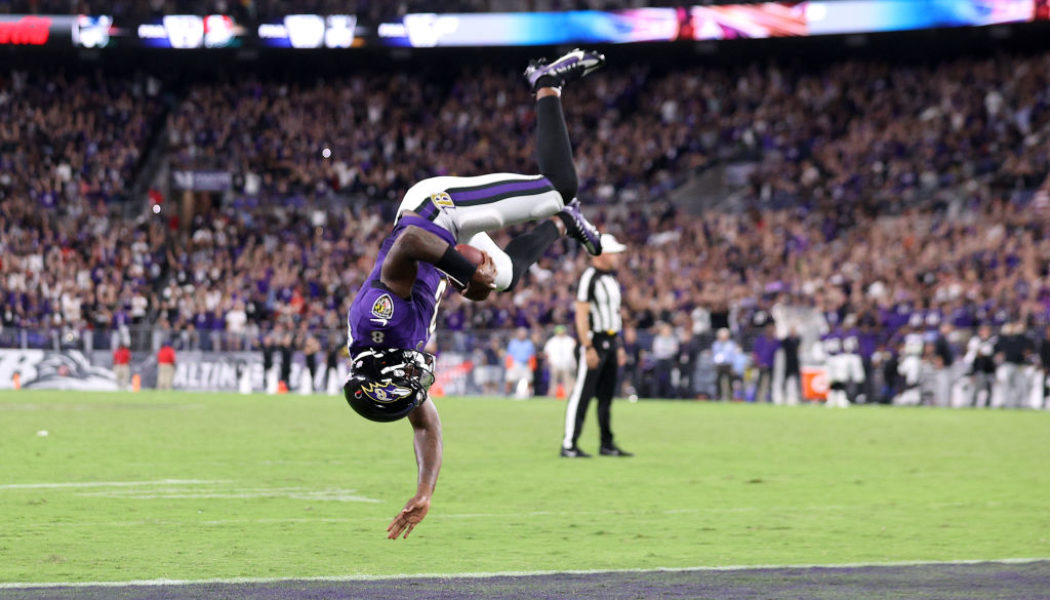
610, 245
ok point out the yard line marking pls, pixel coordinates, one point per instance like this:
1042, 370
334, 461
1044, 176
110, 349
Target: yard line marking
350, 578
335, 496
438, 517
83, 484
294, 493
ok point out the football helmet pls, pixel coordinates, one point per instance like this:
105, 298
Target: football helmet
386, 385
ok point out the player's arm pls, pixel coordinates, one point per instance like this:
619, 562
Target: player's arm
416, 244
427, 441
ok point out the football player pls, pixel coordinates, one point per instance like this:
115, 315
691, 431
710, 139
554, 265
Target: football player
394, 313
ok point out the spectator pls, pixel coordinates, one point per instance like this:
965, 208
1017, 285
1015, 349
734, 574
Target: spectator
285, 347
332, 381
787, 389
1012, 349
1044, 364
165, 366
888, 363
489, 373
521, 353
688, 350
912, 361
944, 358
665, 353
632, 367
236, 321
540, 370
122, 366
269, 373
725, 353
980, 355
560, 351
762, 355
310, 346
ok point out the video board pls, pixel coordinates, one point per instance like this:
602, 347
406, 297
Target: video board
430, 30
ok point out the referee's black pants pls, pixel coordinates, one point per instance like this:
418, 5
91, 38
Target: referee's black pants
599, 382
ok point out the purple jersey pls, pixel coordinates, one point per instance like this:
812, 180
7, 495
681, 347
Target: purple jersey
831, 342
765, 349
379, 318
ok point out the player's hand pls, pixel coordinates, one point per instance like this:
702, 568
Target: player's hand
484, 280
621, 357
409, 517
591, 356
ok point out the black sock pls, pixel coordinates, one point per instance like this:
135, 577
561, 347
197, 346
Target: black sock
527, 248
553, 148
547, 81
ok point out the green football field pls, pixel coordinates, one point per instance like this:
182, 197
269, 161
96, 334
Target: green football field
203, 486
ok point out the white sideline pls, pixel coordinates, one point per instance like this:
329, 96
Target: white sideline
84, 484
350, 578
517, 515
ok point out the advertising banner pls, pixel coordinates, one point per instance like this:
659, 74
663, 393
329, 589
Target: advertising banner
53, 370
815, 385
191, 31
760, 20
310, 31
231, 372
36, 30
196, 371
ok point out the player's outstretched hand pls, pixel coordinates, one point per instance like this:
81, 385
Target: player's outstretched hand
483, 282
409, 517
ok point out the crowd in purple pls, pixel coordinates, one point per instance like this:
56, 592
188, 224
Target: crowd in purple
881, 191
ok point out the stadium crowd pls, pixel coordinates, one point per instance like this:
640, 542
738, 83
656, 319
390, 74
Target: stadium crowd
384, 134
893, 197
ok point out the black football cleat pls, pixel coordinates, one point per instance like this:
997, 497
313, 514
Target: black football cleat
570, 67
574, 452
578, 227
613, 451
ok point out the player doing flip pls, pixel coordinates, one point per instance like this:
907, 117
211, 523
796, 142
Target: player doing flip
394, 313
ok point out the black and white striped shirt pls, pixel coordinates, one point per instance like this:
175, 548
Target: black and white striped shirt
602, 292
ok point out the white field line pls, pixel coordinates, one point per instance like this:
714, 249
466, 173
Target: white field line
510, 517
89, 484
294, 493
182, 490
306, 493
362, 577
318, 496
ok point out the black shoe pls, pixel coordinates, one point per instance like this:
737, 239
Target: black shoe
574, 65
577, 226
574, 452
613, 451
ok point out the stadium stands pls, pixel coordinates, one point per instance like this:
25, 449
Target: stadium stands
894, 193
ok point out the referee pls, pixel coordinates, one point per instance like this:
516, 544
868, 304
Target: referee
598, 325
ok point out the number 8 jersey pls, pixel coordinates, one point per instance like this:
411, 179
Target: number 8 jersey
379, 318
